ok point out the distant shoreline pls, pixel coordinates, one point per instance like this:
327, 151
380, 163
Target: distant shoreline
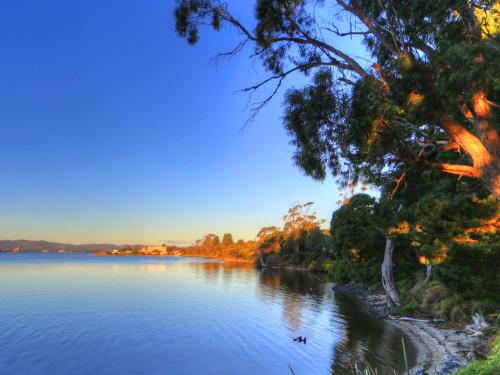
235, 260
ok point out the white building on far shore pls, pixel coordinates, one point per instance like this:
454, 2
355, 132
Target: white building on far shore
154, 250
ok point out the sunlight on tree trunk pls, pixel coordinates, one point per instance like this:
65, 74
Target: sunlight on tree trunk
484, 149
490, 172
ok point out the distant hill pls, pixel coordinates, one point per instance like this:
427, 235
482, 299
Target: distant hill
26, 245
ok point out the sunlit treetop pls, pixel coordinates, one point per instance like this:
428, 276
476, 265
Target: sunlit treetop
227, 239
300, 218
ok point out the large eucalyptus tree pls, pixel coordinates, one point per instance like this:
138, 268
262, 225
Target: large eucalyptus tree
428, 95
432, 83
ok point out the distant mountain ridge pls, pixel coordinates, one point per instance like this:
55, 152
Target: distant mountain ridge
27, 245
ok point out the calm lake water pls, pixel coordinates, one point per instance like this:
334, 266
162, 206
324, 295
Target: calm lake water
82, 314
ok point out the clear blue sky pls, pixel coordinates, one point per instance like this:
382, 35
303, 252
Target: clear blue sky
113, 129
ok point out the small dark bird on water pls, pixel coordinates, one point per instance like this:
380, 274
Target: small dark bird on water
300, 339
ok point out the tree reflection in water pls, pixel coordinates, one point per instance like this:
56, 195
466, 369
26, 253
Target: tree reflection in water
303, 297
360, 339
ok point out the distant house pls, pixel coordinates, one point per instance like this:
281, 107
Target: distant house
153, 250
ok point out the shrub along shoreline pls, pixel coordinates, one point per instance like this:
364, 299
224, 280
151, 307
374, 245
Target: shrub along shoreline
442, 347
433, 250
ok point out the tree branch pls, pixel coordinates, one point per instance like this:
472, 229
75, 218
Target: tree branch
370, 25
348, 64
467, 141
351, 63
349, 33
457, 169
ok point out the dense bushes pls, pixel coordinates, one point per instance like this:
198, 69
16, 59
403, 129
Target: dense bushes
452, 226
357, 242
473, 271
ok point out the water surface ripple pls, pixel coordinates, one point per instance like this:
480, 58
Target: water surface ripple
82, 314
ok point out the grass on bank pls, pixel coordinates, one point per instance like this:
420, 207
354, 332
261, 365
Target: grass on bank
368, 370
490, 366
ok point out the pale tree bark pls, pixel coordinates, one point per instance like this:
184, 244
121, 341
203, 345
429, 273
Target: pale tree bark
387, 276
261, 259
428, 273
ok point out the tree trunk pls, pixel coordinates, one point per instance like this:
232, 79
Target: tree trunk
387, 277
261, 259
491, 179
484, 149
428, 273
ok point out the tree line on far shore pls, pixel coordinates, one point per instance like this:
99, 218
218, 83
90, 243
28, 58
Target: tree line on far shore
446, 251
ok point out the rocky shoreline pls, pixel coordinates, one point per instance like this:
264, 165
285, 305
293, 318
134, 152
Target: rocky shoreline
442, 348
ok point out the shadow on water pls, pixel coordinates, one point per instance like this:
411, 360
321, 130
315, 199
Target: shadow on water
368, 341
362, 339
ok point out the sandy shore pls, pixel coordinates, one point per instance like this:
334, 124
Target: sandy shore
442, 348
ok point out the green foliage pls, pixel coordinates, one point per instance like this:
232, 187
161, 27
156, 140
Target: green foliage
386, 123
439, 301
490, 366
357, 242
353, 229
329, 265
273, 260
291, 258
316, 240
309, 116
443, 218
362, 271
405, 283
301, 242
409, 308
472, 271
454, 225
365, 121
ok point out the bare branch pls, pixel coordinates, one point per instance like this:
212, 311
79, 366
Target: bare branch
351, 64
398, 182
279, 78
232, 52
348, 62
370, 25
349, 33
